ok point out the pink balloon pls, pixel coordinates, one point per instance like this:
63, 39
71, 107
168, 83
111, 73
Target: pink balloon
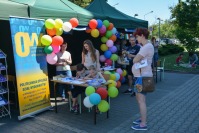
109, 62
102, 30
51, 58
113, 49
102, 58
56, 48
109, 43
119, 70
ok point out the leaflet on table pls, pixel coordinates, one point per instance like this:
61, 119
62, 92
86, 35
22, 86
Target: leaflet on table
141, 64
70, 80
108, 68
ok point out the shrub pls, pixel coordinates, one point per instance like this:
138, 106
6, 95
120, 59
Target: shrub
170, 49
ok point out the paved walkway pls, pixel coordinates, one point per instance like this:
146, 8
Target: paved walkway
173, 107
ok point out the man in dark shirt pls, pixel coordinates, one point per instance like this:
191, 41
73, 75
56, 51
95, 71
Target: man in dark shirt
132, 50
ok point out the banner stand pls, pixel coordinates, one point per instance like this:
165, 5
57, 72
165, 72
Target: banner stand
30, 66
33, 113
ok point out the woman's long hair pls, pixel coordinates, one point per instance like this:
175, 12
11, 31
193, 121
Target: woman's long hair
92, 50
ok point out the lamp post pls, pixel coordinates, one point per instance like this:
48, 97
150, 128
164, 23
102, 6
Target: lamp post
135, 15
159, 29
147, 14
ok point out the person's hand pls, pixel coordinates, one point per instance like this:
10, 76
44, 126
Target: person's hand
129, 55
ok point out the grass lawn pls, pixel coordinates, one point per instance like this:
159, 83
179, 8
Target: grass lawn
170, 61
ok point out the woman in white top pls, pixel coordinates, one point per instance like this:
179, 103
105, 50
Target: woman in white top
63, 67
90, 55
146, 52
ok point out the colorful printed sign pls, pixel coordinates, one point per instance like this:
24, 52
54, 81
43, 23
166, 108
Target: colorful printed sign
30, 65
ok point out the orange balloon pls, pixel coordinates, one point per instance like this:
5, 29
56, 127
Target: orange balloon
57, 40
118, 84
110, 27
74, 22
93, 24
51, 32
88, 30
113, 38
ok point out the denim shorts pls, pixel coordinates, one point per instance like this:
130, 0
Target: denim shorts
136, 91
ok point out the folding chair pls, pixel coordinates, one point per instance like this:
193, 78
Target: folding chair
160, 68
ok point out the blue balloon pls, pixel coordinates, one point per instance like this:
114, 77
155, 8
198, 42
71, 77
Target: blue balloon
107, 54
117, 76
95, 98
99, 23
123, 80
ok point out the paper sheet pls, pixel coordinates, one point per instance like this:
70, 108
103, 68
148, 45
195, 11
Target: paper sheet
141, 64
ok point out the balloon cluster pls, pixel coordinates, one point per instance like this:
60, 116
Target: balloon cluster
98, 96
107, 32
118, 76
53, 39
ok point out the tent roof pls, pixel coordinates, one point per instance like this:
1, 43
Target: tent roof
8, 8
45, 9
102, 10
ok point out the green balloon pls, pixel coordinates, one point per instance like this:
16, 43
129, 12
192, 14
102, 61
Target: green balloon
112, 92
48, 49
90, 90
104, 39
103, 106
108, 34
46, 40
114, 57
50, 23
106, 23
103, 47
107, 72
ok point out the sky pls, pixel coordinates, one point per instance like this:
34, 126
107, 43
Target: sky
143, 8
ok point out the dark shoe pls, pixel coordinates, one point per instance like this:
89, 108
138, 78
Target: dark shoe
128, 92
138, 127
137, 122
133, 94
63, 100
76, 108
72, 109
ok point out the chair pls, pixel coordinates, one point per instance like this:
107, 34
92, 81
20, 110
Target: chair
160, 68
13, 88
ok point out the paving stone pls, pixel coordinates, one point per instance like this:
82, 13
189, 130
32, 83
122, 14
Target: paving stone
174, 101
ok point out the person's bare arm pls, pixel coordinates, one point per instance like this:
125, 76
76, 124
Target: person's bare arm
131, 55
137, 58
83, 58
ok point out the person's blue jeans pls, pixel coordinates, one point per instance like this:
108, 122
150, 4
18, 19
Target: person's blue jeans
62, 87
155, 57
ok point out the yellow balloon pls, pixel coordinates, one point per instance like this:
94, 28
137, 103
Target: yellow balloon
111, 83
94, 33
124, 73
58, 23
112, 77
46, 40
59, 32
50, 23
103, 47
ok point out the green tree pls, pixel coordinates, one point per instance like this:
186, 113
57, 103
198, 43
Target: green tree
82, 3
167, 29
186, 15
